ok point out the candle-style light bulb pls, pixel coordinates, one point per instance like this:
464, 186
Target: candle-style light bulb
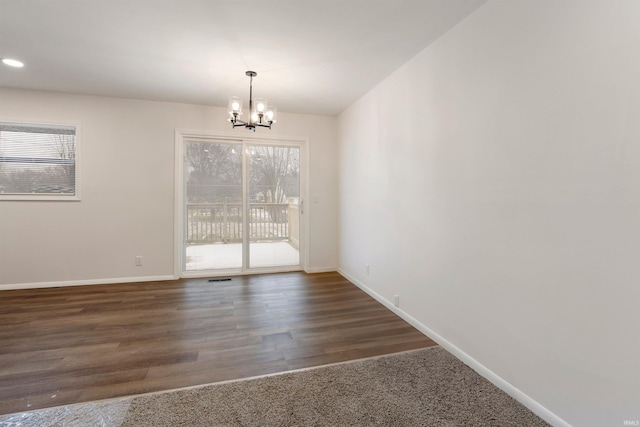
271, 114
235, 106
259, 105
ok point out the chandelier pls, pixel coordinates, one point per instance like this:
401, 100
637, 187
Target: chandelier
261, 114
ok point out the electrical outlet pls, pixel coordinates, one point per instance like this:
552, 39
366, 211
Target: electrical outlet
396, 300
366, 268
138, 261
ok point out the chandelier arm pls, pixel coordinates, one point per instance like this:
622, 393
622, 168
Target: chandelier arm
262, 125
236, 122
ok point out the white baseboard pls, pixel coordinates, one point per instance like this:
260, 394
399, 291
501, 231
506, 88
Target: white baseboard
64, 283
313, 270
85, 282
36, 285
499, 382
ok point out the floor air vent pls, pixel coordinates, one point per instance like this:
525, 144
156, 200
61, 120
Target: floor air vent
226, 279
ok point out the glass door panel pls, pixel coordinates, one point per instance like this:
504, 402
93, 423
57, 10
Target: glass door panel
213, 205
273, 198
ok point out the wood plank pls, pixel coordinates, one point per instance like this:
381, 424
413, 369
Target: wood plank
69, 345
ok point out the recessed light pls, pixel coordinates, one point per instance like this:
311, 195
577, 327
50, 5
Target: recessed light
12, 62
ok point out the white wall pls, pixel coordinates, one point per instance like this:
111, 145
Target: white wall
127, 184
493, 182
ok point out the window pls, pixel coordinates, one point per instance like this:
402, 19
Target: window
38, 162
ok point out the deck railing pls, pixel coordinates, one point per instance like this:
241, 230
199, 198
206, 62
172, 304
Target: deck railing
222, 222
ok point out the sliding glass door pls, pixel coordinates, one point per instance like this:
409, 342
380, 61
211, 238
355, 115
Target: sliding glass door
213, 209
274, 199
241, 206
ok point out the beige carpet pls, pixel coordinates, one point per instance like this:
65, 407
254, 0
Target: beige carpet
427, 387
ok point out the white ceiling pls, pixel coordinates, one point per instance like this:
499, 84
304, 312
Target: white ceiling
312, 56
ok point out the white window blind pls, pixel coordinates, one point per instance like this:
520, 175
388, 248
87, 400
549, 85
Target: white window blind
37, 160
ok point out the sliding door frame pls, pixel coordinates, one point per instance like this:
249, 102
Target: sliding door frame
181, 138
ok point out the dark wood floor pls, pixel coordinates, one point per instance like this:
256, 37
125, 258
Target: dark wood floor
68, 345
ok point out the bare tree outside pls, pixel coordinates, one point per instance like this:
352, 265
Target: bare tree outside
272, 170
65, 145
215, 172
